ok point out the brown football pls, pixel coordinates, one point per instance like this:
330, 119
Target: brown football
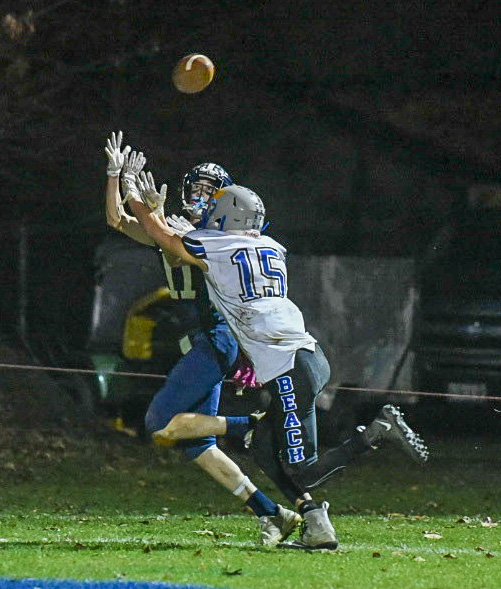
193, 73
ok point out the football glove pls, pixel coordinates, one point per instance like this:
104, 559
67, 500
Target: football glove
130, 188
133, 163
132, 166
245, 375
149, 195
116, 157
179, 225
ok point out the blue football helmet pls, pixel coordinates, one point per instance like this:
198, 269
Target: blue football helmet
199, 184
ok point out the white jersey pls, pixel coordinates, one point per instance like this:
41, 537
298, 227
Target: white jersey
247, 282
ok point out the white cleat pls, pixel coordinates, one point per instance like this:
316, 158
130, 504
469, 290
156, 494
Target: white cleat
317, 533
276, 528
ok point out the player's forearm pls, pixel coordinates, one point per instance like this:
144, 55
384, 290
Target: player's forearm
158, 230
113, 216
118, 219
172, 259
130, 227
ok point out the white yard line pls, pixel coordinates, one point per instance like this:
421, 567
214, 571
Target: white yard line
194, 538
343, 548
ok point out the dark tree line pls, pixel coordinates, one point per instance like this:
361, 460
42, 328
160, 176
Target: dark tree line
72, 70
359, 122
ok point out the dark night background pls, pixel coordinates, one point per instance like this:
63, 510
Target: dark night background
361, 124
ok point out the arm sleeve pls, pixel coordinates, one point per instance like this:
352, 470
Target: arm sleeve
195, 247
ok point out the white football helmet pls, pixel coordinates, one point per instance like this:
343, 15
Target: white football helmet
234, 207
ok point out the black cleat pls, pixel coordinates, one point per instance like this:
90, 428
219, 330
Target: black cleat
389, 425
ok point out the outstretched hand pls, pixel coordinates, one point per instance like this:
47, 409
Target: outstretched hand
133, 164
116, 157
150, 196
179, 225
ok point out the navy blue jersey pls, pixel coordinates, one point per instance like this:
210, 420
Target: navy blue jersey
187, 286
194, 384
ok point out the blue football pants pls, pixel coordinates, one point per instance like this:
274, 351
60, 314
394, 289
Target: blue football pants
194, 385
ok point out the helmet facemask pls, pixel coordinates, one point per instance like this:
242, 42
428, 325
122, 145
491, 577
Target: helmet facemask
200, 184
200, 193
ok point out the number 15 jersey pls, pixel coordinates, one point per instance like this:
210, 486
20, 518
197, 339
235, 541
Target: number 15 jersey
247, 282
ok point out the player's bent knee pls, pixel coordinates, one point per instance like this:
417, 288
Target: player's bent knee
171, 433
296, 471
163, 438
194, 450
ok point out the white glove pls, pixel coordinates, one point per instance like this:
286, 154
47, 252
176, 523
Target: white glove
130, 188
133, 164
149, 195
179, 225
116, 157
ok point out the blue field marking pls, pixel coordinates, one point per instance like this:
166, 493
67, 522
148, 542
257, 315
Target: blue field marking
72, 584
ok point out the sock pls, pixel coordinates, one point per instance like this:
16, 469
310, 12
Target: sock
238, 426
261, 505
307, 506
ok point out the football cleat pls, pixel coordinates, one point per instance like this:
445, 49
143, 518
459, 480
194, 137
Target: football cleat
276, 528
317, 531
389, 425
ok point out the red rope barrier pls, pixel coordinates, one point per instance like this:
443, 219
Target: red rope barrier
329, 387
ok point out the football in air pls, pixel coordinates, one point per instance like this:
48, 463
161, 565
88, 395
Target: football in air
193, 73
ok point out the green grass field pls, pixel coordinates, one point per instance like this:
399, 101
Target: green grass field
110, 508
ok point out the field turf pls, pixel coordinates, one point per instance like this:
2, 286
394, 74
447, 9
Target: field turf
108, 507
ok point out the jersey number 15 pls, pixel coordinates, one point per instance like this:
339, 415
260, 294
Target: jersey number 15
258, 276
